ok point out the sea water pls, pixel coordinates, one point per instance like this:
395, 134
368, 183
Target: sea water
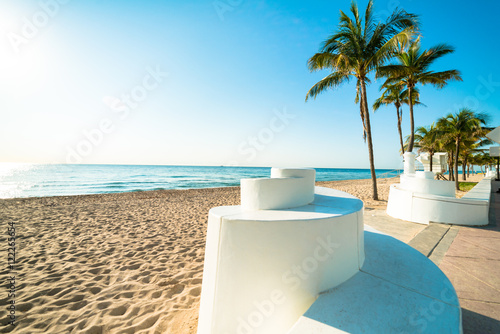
39, 180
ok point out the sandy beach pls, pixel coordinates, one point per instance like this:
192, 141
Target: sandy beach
118, 263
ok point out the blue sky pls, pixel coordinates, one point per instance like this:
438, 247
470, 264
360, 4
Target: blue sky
213, 82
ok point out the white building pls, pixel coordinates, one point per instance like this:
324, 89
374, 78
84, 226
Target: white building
439, 162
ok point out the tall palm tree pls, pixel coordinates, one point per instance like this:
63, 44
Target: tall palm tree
427, 139
356, 49
461, 126
413, 69
395, 94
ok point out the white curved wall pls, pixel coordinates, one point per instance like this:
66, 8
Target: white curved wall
287, 188
425, 185
264, 268
425, 175
420, 207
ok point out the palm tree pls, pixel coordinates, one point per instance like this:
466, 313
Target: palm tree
394, 94
475, 160
447, 144
479, 159
471, 144
461, 126
359, 47
413, 69
427, 139
466, 148
484, 159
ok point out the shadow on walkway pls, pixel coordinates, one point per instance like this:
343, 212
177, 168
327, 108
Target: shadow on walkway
477, 323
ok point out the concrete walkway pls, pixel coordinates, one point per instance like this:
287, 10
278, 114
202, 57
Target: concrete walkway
472, 263
399, 229
469, 256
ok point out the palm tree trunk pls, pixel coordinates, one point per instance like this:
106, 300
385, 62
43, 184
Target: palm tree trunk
457, 151
412, 123
364, 105
400, 132
450, 167
430, 158
450, 160
464, 169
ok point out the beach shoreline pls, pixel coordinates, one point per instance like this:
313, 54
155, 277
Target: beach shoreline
121, 262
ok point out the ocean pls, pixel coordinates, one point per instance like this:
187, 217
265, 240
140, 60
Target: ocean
40, 180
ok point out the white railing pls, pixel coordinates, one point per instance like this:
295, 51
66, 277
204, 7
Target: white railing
386, 174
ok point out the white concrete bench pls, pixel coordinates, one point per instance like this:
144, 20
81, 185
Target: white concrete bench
272, 267
267, 260
481, 191
410, 204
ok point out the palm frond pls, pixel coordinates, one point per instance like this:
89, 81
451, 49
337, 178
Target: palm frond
369, 21
321, 61
433, 53
439, 79
399, 21
392, 46
330, 81
393, 72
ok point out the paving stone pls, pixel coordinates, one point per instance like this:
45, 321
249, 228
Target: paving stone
470, 247
428, 239
467, 285
444, 244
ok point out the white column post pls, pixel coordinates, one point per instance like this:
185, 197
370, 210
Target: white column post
409, 164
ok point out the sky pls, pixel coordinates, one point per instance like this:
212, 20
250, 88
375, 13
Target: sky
215, 82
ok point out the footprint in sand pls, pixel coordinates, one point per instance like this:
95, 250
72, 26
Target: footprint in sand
177, 289
53, 292
118, 311
103, 305
126, 295
195, 281
133, 267
93, 330
78, 305
95, 290
156, 294
143, 325
24, 307
95, 271
195, 292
